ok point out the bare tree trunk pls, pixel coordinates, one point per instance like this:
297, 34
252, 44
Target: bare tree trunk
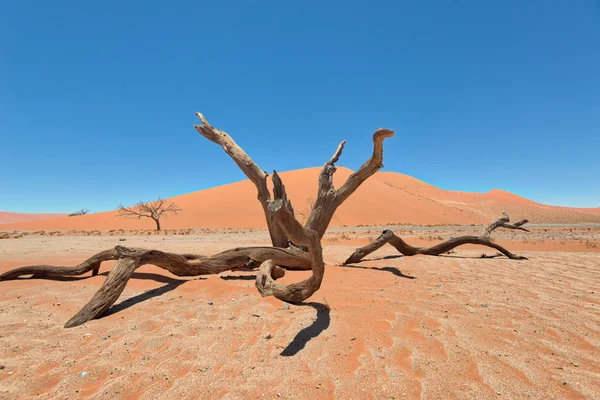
269, 271
405, 249
283, 227
157, 224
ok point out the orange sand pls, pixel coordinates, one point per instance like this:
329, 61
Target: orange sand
11, 218
387, 197
447, 327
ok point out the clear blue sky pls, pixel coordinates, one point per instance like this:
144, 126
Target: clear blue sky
97, 99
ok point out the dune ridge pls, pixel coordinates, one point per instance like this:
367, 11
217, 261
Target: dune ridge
385, 198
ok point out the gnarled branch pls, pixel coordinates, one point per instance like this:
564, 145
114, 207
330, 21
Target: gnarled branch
269, 271
405, 249
504, 223
280, 220
329, 199
256, 175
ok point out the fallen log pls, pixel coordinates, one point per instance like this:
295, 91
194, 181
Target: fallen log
405, 249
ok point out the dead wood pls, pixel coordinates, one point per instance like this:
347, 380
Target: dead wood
256, 175
154, 210
295, 246
269, 271
405, 249
504, 223
177, 264
328, 198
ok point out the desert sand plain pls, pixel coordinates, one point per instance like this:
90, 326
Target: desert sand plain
453, 326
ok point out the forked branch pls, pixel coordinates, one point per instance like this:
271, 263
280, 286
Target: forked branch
256, 175
328, 198
269, 271
282, 225
504, 223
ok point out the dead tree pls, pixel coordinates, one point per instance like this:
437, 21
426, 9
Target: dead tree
305, 253
405, 249
154, 210
83, 211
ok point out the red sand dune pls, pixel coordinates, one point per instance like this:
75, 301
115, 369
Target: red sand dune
11, 217
385, 198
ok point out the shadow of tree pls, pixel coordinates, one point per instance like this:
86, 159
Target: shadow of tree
393, 270
310, 332
63, 278
239, 277
171, 284
482, 256
446, 255
393, 257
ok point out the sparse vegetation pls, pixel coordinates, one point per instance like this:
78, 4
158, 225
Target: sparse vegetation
154, 210
83, 211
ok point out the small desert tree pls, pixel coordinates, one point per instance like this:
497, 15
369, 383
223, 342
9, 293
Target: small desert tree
150, 209
83, 211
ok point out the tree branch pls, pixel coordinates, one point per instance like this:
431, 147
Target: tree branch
269, 271
405, 249
328, 199
250, 169
280, 219
504, 223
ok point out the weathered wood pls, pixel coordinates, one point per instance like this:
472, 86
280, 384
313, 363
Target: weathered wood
295, 247
256, 175
364, 251
107, 295
129, 259
329, 199
504, 223
405, 249
177, 264
268, 272
42, 271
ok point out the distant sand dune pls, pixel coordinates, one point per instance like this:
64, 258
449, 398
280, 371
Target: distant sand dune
387, 197
11, 217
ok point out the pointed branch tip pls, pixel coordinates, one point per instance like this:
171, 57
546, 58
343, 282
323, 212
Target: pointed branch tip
337, 154
202, 118
383, 133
